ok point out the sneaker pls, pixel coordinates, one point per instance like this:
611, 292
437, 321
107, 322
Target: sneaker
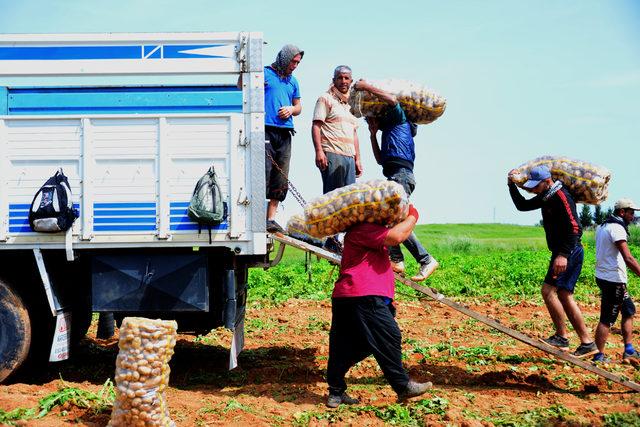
274, 227
398, 267
585, 350
557, 341
335, 400
414, 389
600, 358
632, 358
425, 270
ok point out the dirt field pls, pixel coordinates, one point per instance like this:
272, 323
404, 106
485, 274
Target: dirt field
480, 377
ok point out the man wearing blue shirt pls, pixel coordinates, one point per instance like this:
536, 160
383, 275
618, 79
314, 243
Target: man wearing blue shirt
281, 102
396, 155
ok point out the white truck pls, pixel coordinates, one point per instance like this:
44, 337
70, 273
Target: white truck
133, 120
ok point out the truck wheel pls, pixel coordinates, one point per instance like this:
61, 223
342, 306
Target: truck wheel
15, 331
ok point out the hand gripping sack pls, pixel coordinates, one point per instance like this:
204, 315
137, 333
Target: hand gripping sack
206, 206
52, 208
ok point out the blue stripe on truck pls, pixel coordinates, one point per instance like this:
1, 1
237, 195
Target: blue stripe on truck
102, 52
124, 227
123, 100
124, 216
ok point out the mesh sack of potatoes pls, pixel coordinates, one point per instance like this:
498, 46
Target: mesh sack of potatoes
420, 104
586, 182
382, 202
297, 228
142, 372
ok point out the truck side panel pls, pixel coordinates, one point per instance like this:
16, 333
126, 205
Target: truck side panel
122, 176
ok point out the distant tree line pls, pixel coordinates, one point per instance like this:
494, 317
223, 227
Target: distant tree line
597, 217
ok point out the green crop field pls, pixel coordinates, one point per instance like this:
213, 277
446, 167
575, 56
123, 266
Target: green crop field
482, 261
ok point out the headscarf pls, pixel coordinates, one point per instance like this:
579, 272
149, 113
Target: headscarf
343, 97
615, 219
284, 57
552, 190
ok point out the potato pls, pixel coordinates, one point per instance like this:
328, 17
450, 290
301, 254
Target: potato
421, 105
142, 372
297, 228
586, 182
382, 202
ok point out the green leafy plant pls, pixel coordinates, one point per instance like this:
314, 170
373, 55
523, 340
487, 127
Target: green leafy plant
553, 415
615, 419
97, 402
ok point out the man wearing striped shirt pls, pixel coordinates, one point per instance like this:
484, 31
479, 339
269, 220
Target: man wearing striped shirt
334, 134
563, 233
335, 139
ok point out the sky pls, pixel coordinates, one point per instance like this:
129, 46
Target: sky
522, 79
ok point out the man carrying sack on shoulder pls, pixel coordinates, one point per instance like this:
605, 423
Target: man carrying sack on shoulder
563, 232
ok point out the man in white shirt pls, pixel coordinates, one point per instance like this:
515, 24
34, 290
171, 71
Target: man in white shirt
612, 259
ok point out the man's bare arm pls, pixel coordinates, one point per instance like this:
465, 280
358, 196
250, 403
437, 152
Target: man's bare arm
383, 95
321, 158
629, 259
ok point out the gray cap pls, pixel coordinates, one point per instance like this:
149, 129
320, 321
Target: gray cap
626, 204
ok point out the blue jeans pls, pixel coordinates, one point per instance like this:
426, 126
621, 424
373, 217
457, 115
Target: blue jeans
340, 171
404, 177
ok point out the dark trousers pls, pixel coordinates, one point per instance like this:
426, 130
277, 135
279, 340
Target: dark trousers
278, 146
361, 327
340, 171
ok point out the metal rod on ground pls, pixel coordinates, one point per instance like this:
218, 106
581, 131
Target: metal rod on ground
435, 295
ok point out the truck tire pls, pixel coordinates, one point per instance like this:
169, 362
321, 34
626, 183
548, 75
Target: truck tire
15, 331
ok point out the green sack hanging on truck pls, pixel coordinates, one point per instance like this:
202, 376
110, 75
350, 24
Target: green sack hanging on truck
379, 201
586, 182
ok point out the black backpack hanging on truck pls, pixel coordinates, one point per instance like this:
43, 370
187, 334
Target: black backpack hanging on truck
52, 208
206, 206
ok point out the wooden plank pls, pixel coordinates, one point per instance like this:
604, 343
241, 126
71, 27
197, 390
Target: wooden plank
299, 244
567, 357
435, 295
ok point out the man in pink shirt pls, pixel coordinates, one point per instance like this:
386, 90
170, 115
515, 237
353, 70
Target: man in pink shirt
363, 320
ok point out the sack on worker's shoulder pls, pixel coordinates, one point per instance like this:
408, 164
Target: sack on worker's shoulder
586, 182
206, 206
378, 201
420, 104
52, 209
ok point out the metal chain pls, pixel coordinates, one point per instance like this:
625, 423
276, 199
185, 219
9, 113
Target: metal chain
298, 196
294, 190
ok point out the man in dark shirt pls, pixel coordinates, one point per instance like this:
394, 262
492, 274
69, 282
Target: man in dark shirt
563, 233
397, 155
